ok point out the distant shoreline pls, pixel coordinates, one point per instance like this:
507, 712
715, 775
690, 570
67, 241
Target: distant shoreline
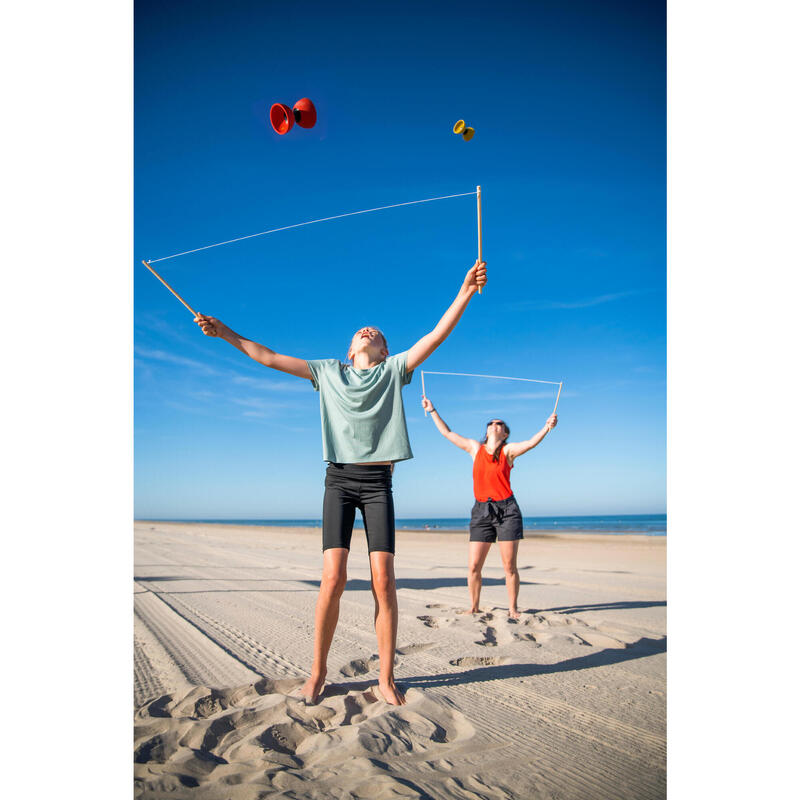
530, 532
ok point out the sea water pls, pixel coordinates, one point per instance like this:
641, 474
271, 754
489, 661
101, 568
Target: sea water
613, 524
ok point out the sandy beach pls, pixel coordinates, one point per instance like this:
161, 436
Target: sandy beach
567, 702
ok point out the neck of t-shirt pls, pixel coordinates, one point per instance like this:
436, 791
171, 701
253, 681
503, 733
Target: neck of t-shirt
364, 361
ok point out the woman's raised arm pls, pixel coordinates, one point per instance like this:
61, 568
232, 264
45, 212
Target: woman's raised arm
514, 449
470, 445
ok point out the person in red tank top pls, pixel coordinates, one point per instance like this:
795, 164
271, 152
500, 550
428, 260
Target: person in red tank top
495, 515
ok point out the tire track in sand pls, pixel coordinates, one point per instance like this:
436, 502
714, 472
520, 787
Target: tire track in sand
247, 650
198, 657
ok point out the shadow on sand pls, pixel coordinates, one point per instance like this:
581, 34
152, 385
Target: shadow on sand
639, 649
621, 606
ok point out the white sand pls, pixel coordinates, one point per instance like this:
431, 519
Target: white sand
568, 703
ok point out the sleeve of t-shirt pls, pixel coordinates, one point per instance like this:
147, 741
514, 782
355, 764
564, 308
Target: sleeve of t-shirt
399, 363
320, 366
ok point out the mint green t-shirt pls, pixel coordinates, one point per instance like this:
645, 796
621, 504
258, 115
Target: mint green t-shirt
362, 411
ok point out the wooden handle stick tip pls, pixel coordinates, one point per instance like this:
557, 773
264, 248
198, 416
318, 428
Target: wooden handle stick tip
557, 396
170, 288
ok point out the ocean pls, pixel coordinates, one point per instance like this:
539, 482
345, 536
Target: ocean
612, 524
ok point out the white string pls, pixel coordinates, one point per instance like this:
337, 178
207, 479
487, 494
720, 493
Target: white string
500, 377
310, 222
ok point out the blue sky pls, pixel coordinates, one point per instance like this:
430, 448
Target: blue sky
568, 103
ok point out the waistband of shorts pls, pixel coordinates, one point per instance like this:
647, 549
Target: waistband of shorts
359, 469
507, 501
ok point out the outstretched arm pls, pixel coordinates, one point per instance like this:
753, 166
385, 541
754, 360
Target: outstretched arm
269, 358
470, 445
427, 344
514, 449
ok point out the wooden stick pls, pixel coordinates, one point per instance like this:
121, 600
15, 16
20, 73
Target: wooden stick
557, 396
170, 288
422, 374
480, 235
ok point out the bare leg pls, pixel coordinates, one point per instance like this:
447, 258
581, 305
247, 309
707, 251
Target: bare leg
508, 552
385, 593
334, 578
477, 555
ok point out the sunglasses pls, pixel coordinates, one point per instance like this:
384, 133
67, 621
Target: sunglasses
496, 422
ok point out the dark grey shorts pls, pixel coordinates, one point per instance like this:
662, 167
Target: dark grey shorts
368, 488
495, 520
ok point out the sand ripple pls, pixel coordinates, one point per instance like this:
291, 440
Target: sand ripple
252, 741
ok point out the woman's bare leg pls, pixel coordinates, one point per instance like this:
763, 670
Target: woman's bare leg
334, 578
508, 552
477, 555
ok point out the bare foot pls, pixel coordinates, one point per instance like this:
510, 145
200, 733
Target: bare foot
469, 611
513, 613
390, 693
313, 687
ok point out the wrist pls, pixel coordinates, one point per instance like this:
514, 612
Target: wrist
467, 289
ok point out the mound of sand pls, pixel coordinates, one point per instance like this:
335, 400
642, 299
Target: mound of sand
260, 738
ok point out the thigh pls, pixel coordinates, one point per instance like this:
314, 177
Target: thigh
377, 507
334, 566
508, 553
338, 515
477, 554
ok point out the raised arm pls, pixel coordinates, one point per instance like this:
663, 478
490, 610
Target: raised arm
514, 449
427, 344
269, 358
470, 445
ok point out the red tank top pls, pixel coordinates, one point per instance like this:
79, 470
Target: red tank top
491, 479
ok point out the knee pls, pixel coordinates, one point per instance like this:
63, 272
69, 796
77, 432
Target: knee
333, 582
511, 570
383, 584
475, 570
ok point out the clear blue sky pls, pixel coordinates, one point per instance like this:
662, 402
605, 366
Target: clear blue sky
568, 101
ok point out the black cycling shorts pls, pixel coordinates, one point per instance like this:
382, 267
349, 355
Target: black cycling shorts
495, 520
368, 488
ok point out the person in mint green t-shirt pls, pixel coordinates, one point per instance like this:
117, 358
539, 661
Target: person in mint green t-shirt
363, 435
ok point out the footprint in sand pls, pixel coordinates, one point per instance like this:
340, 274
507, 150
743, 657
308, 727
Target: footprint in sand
478, 661
525, 637
417, 647
553, 627
489, 638
360, 666
436, 622
259, 735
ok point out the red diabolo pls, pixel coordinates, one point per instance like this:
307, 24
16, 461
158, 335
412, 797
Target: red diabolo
282, 117
305, 115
